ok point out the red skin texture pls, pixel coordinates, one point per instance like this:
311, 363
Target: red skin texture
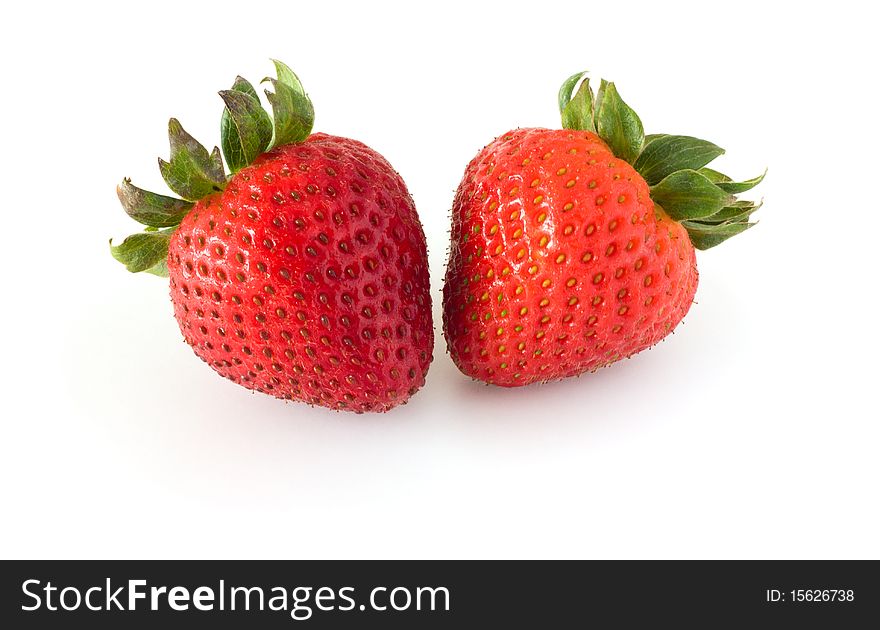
559, 262
307, 278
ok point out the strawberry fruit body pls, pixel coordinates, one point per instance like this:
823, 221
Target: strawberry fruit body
303, 274
574, 248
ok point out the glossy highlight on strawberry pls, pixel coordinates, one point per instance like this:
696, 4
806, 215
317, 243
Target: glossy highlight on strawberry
575, 248
303, 274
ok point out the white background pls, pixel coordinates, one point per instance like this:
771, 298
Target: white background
751, 433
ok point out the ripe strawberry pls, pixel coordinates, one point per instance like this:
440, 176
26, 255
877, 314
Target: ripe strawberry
303, 274
574, 248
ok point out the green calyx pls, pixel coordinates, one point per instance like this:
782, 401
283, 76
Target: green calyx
675, 167
246, 131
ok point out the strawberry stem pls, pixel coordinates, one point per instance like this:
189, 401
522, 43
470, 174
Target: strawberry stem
703, 200
246, 131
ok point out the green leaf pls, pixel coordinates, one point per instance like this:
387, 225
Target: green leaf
618, 125
566, 90
293, 112
687, 194
191, 171
287, 77
145, 251
651, 137
251, 126
728, 185
243, 85
738, 212
707, 236
600, 97
577, 113
736, 188
229, 138
667, 154
150, 208
159, 269
713, 176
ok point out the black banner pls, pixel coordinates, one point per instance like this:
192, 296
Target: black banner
438, 594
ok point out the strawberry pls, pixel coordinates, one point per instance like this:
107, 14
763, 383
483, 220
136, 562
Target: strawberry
574, 248
304, 273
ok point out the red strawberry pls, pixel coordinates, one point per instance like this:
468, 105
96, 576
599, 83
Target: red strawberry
574, 248
304, 274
